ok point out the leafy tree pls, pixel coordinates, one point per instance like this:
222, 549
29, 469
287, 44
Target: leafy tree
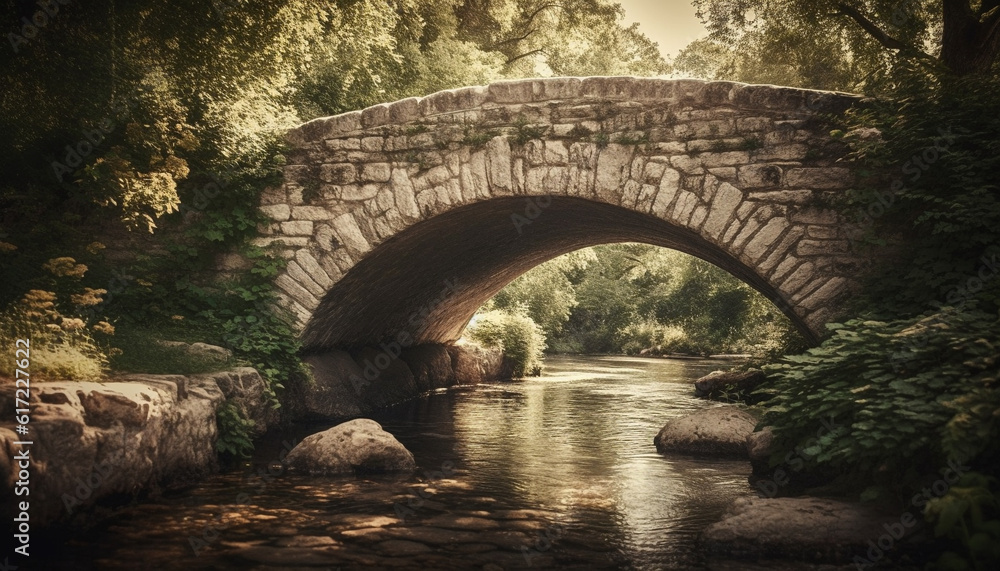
545, 293
635, 297
857, 40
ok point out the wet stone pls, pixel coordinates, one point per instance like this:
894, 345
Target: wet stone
401, 547
460, 522
365, 534
280, 531
355, 521
306, 541
474, 547
433, 535
512, 540
288, 556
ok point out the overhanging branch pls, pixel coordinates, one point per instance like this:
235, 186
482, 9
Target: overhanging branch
873, 30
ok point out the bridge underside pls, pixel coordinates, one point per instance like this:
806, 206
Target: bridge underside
425, 283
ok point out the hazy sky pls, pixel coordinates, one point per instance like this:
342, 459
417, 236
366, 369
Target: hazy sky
670, 23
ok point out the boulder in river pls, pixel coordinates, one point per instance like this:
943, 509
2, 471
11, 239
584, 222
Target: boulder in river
717, 384
759, 448
718, 431
810, 529
358, 445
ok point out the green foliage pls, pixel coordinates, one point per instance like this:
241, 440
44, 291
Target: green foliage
545, 293
629, 298
234, 438
579, 132
61, 326
967, 517
633, 138
524, 132
521, 340
140, 350
907, 394
831, 44
938, 159
476, 138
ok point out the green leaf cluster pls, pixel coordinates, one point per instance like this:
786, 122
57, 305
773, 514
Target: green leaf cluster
906, 396
234, 440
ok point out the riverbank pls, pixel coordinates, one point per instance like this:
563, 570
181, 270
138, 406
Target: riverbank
138, 435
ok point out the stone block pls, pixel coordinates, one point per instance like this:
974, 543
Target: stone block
297, 228
819, 178
310, 213
759, 176
277, 212
375, 172
338, 173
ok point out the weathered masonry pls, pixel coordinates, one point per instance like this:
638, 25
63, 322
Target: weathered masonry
401, 219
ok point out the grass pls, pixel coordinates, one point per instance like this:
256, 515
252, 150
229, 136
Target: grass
139, 352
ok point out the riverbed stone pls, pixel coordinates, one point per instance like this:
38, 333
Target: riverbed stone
289, 556
759, 448
718, 431
805, 528
719, 383
401, 547
453, 521
358, 445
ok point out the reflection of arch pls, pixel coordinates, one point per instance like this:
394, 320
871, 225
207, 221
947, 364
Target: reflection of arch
380, 207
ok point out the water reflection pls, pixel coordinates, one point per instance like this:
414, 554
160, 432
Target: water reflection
570, 453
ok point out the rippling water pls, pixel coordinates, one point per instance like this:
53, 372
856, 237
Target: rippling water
558, 472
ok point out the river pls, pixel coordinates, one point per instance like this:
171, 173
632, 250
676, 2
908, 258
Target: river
552, 472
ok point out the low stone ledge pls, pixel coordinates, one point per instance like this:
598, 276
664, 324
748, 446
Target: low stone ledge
130, 435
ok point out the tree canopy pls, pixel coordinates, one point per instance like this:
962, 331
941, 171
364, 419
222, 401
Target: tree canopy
841, 44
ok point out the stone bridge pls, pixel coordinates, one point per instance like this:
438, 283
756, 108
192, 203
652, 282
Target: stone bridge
400, 220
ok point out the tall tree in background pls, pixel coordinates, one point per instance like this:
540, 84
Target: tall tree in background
849, 44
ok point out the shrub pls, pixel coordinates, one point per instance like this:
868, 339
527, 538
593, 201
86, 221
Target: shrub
520, 338
907, 395
61, 346
655, 337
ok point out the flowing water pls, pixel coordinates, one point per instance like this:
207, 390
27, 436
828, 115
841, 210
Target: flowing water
553, 472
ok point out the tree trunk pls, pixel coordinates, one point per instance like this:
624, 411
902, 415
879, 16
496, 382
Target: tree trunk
969, 45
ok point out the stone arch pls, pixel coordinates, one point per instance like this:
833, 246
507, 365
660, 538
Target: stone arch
380, 207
